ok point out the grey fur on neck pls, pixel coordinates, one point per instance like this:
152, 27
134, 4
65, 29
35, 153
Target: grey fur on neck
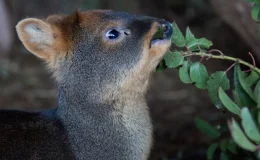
113, 131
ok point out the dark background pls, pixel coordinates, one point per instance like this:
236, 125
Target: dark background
26, 84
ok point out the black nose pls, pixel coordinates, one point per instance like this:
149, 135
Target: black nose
167, 29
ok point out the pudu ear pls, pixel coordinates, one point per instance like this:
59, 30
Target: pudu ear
37, 36
46, 38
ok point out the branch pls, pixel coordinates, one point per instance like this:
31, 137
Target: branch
208, 55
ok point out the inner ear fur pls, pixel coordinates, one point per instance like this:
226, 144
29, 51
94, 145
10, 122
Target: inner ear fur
47, 38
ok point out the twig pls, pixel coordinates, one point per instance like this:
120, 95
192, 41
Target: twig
202, 54
216, 50
208, 57
229, 68
202, 59
253, 59
257, 148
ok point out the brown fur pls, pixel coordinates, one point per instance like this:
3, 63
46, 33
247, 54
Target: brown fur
89, 19
138, 75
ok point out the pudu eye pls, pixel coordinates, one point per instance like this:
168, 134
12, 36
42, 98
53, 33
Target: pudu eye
112, 34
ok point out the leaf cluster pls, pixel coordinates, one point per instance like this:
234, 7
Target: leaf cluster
242, 99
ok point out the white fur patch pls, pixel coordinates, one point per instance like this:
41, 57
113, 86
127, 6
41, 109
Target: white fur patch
38, 35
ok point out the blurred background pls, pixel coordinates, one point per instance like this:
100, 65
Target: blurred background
26, 84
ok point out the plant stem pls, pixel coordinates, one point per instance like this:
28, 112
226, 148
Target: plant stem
202, 54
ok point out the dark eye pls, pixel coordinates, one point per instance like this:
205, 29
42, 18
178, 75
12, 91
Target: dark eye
112, 34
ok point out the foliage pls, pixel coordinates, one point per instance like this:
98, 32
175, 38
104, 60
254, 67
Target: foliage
255, 10
244, 103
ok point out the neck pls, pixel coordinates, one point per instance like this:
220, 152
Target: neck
94, 124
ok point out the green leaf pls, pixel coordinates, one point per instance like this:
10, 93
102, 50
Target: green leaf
177, 36
199, 75
161, 67
232, 147
237, 99
252, 78
257, 90
159, 34
184, 72
257, 93
173, 59
211, 151
239, 137
244, 91
256, 12
258, 117
206, 128
223, 156
195, 44
227, 102
224, 145
189, 36
216, 80
249, 125
243, 83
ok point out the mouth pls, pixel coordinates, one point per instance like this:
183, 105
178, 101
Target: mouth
163, 34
